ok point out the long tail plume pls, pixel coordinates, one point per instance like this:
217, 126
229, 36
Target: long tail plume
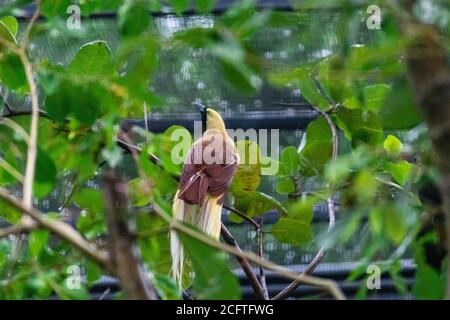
206, 218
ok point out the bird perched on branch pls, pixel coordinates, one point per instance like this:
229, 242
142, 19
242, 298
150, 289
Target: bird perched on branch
205, 179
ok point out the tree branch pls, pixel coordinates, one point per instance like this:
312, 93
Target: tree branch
262, 276
32, 145
27, 34
125, 256
429, 76
248, 270
243, 216
62, 229
14, 229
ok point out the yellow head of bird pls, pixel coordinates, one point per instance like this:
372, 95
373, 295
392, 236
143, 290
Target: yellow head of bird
214, 121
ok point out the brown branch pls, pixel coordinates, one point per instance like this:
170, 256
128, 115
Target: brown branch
245, 265
27, 34
243, 216
125, 256
13, 113
15, 229
30, 166
262, 275
331, 213
429, 77
62, 229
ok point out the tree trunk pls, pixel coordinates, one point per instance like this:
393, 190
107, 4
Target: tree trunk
125, 256
429, 75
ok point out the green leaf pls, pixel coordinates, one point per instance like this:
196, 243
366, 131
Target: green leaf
309, 90
91, 59
429, 283
84, 101
255, 203
240, 76
290, 161
204, 6
314, 156
285, 185
318, 148
45, 176
375, 221
333, 77
213, 279
392, 145
11, 23
360, 126
399, 110
6, 33
58, 103
248, 173
9, 213
164, 185
179, 5
318, 130
365, 186
134, 18
93, 272
37, 242
394, 223
373, 98
80, 293
90, 199
166, 287
196, 37
172, 147
12, 73
292, 231
52, 8
91, 221
400, 171
139, 192
303, 209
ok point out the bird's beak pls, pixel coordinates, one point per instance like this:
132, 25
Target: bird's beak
199, 107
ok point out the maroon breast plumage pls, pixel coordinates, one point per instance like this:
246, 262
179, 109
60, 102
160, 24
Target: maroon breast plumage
209, 168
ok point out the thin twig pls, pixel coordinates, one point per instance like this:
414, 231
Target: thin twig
245, 265
32, 146
27, 34
331, 212
15, 229
243, 216
262, 276
62, 229
42, 114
